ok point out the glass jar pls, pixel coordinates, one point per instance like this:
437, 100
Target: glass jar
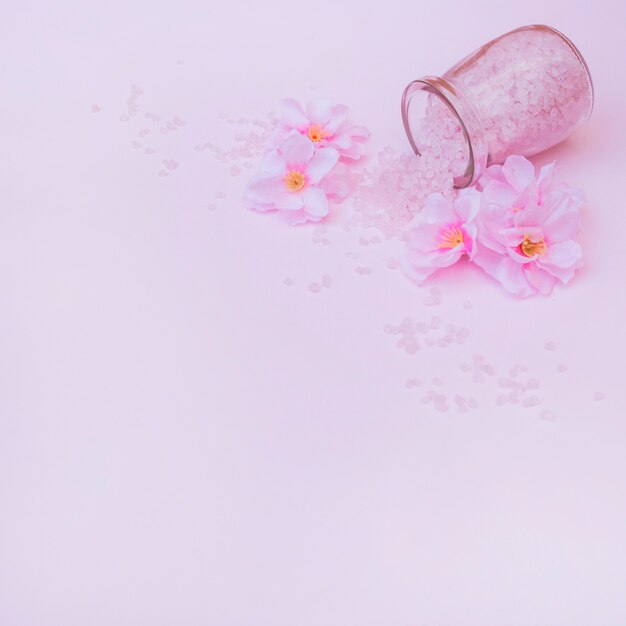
518, 94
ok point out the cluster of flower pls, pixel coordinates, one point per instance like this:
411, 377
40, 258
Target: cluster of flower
306, 165
519, 228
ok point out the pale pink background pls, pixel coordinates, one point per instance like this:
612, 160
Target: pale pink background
184, 440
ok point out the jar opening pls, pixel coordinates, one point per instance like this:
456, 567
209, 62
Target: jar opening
435, 112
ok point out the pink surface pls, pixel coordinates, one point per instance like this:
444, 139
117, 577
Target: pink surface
185, 439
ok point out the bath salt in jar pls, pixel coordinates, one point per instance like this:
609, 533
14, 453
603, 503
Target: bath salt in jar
521, 93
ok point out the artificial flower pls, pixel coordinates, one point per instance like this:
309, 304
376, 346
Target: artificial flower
529, 250
324, 124
442, 233
290, 181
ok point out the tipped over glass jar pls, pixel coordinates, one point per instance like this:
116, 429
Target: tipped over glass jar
521, 93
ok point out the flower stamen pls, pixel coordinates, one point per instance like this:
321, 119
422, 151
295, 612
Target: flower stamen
531, 248
450, 237
294, 180
316, 133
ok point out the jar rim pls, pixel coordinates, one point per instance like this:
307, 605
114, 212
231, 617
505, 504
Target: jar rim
449, 95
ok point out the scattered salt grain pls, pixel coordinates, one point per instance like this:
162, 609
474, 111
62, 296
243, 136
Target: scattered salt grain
531, 401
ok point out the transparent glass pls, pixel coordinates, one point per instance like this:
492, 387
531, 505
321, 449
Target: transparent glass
521, 93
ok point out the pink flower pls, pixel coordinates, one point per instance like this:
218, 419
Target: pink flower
529, 250
323, 123
507, 189
441, 233
290, 182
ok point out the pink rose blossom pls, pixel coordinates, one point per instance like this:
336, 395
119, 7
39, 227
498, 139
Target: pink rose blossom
441, 233
323, 123
291, 181
527, 230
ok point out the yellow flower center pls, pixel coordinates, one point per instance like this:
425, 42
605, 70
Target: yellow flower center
294, 180
530, 248
450, 237
316, 133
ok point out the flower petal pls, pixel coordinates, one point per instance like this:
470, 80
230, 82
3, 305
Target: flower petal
291, 113
445, 258
422, 237
519, 172
500, 193
319, 111
354, 152
338, 116
470, 240
513, 278
438, 210
278, 136
298, 217
564, 220
418, 273
273, 163
563, 254
493, 172
467, 204
539, 279
322, 162
544, 179
563, 274
532, 214
520, 258
359, 132
488, 260
263, 188
491, 220
315, 201
508, 273
288, 200
343, 141
258, 206
514, 236
298, 151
